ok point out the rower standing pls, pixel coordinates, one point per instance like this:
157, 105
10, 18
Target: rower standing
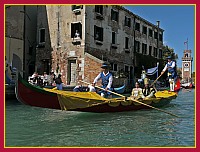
172, 75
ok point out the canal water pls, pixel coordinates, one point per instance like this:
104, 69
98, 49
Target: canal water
32, 127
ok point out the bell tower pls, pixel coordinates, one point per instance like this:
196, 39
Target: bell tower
187, 65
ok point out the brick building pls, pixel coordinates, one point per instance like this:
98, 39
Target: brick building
187, 66
75, 40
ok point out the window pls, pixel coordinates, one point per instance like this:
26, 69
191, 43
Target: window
137, 46
160, 53
150, 33
127, 21
160, 37
144, 48
144, 30
137, 27
155, 35
114, 15
99, 9
98, 33
150, 50
76, 30
155, 52
115, 67
75, 7
42, 35
126, 42
113, 38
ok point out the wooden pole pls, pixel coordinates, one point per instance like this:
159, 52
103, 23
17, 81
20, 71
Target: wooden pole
157, 78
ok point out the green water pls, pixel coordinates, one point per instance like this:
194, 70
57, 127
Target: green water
32, 127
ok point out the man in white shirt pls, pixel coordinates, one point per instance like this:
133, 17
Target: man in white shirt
171, 67
106, 78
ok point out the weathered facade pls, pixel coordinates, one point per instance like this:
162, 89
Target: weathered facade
75, 40
20, 37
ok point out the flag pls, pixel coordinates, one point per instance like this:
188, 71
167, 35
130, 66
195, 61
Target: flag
185, 43
152, 71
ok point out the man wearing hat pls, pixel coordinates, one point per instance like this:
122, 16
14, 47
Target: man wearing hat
106, 78
171, 67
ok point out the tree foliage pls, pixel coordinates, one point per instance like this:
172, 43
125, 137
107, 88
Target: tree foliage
167, 51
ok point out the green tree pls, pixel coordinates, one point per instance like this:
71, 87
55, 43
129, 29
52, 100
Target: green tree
167, 51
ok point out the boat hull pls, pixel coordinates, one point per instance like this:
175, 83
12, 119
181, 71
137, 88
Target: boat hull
30, 95
38, 97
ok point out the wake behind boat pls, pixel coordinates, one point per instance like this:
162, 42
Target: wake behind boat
83, 101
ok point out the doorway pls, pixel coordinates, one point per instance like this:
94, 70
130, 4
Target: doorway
72, 72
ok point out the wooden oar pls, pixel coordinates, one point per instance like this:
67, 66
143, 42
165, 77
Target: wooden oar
153, 107
103, 89
158, 78
132, 99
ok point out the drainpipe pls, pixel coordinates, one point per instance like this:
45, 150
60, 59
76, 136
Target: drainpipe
24, 43
134, 50
158, 25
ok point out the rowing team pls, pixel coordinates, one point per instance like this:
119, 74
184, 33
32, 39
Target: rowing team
106, 76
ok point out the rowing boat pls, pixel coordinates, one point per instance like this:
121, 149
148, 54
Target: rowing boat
83, 101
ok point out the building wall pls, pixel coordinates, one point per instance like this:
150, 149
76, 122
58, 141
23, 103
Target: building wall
66, 55
119, 55
20, 33
104, 51
59, 48
43, 50
14, 52
92, 68
14, 25
30, 15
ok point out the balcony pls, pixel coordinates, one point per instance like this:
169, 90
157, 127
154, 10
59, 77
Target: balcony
76, 41
77, 11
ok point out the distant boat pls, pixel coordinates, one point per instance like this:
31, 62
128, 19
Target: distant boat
187, 85
120, 90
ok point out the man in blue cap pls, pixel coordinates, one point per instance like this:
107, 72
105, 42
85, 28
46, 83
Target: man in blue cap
171, 67
106, 78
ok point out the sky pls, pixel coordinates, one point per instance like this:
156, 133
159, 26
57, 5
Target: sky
178, 23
